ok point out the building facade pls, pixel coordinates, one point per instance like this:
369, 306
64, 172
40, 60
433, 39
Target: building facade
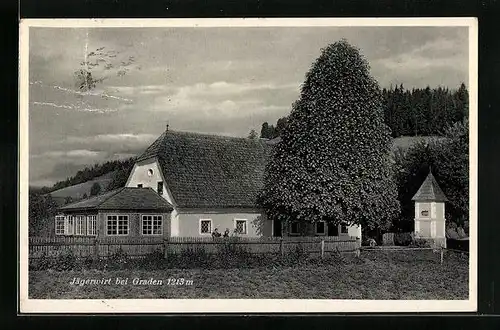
124, 212
213, 182
189, 185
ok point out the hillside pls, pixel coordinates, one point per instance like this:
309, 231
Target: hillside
405, 142
77, 191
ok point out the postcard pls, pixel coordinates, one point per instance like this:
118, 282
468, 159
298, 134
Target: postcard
259, 165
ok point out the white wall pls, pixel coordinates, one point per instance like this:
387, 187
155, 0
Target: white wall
174, 224
257, 223
139, 175
433, 225
354, 230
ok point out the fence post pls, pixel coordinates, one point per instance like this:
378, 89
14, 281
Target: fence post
164, 248
322, 249
442, 252
282, 250
358, 247
96, 248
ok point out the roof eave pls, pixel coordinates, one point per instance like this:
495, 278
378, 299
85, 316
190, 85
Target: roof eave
77, 209
430, 199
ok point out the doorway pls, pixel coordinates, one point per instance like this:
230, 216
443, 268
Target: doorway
277, 232
333, 230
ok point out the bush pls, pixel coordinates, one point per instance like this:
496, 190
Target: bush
153, 260
403, 239
297, 256
66, 261
42, 263
421, 243
118, 260
230, 255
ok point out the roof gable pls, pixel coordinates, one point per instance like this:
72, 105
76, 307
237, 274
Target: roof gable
210, 171
127, 198
430, 191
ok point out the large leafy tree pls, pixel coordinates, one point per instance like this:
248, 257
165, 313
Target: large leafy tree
42, 209
333, 162
452, 161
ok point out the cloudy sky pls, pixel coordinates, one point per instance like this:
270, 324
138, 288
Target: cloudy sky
214, 80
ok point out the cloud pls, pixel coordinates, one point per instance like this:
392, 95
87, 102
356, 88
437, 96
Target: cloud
198, 90
76, 107
439, 53
78, 153
95, 92
226, 88
221, 99
113, 138
141, 89
113, 144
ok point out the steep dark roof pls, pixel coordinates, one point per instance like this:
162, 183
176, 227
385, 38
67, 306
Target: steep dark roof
210, 171
430, 191
128, 198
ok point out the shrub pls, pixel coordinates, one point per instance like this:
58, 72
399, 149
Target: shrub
118, 260
232, 255
188, 258
89, 263
403, 239
42, 263
297, 255
388, 239
153, 260
66, 261
421, 243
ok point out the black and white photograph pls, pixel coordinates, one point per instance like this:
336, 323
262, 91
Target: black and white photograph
248, 165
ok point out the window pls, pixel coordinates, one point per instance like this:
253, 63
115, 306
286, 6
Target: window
240, 226
425, 213
294, 228
150, 172
139, 185
343, 229
60, 219
320, 227
152, 225
92, 225
117, 225
79, 224
69, 227
205, 226
160, 187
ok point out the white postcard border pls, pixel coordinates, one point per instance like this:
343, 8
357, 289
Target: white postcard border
27, 305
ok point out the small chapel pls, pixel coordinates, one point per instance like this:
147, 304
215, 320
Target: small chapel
430, 221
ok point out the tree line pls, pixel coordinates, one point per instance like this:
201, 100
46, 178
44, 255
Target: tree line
43, 207
121, 168
416, 112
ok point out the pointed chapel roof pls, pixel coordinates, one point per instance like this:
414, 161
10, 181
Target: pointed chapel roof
430, 191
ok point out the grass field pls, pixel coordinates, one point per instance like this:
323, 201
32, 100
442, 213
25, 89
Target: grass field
375, 275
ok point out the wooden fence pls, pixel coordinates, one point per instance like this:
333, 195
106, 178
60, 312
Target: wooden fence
137, 247
266, 245
92, 247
